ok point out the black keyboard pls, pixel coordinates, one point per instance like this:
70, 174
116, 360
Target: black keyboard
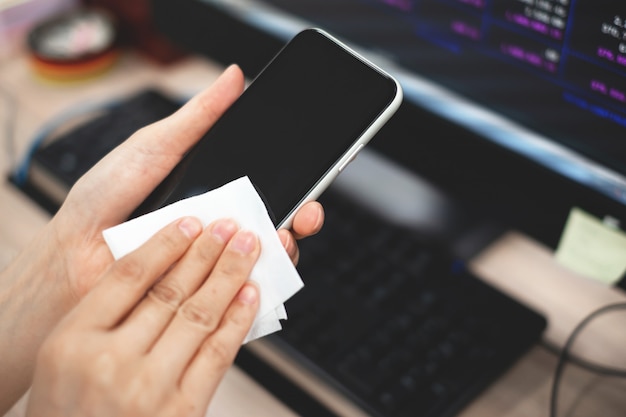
395, 322
73, 154
63, 160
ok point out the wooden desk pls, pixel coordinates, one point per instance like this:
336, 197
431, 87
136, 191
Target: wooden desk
515, 264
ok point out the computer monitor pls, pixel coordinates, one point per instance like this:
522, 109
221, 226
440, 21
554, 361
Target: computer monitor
516, 107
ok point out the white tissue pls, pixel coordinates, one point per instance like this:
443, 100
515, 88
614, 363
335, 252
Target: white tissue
274, 273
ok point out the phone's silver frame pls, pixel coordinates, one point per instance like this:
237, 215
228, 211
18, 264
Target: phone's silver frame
357, 145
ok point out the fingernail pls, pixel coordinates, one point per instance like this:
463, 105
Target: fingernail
231, 67
190, 226
319, 217
244, 242
248, 294
228, 70
224, 229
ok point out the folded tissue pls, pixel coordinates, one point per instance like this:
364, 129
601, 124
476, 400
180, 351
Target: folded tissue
274, 273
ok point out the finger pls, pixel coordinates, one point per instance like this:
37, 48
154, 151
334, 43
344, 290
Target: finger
151, 153
128, 278
218, 352
180, 131
201, 314
290, 245
308, 220
153, 314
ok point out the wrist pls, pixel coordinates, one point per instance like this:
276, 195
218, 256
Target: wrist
37, 275
32, 301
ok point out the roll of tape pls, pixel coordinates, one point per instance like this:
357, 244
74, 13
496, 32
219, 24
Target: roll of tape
74, 46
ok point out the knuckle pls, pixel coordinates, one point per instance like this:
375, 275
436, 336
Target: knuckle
234, 271
128, 267
141, 131
103, 368
206, 254
240, 320
168, 293
199, 315
206, 107
218, 352
168, 241
139, 398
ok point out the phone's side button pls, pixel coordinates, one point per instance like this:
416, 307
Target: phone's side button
351, 157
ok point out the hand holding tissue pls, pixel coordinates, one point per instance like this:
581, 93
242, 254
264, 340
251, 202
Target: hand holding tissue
274, 272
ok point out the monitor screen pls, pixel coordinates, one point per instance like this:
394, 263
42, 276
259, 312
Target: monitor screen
536, 87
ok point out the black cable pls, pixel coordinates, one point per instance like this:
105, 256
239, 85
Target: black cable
565, 356
588, 365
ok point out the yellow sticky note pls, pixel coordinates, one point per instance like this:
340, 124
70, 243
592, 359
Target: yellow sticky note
592, 248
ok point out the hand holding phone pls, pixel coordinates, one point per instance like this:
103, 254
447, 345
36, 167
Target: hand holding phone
293, 130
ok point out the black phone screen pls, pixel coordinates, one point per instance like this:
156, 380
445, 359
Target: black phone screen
288, 128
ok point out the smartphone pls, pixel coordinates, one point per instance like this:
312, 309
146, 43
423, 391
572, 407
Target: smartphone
293, 130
